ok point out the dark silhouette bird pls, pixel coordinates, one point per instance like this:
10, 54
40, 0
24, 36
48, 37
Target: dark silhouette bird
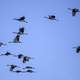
21, 19
12, 67
18, 71
2, 44
23, 58
77, 49
6, 54
21, 31
51, 17
16, 39
30, 71
26, 58
74, 11
19, 56
28, 67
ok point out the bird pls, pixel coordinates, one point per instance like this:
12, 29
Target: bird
12, 67
2, 44
77, 49
74, 11
16, 39
26, 58
21, 31
6, 54
23, 58
18, 71
21, 19
20, 56
28, 67
30, 71
51, 17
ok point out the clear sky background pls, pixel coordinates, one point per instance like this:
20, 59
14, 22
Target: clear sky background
49, 42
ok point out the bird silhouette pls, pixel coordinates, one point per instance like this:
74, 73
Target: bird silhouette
16, 39
18, 71
21, 31
77, 49
28, 67
30, 71
23, 58
51, 17
26, 59
19, 56
74, 11
12, 67
6, 54
21, 19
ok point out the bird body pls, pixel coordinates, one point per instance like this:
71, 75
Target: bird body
12, 67
78, 49
26, 58
6, 54
51, 17
74, 11
17, 71
21, 31
17, 39
29, 71
21, 19
20, 56
28, 67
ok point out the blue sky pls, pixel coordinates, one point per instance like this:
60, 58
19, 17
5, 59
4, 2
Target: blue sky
49, 42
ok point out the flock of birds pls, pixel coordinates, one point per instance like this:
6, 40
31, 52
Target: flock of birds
23, 58
17, 40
